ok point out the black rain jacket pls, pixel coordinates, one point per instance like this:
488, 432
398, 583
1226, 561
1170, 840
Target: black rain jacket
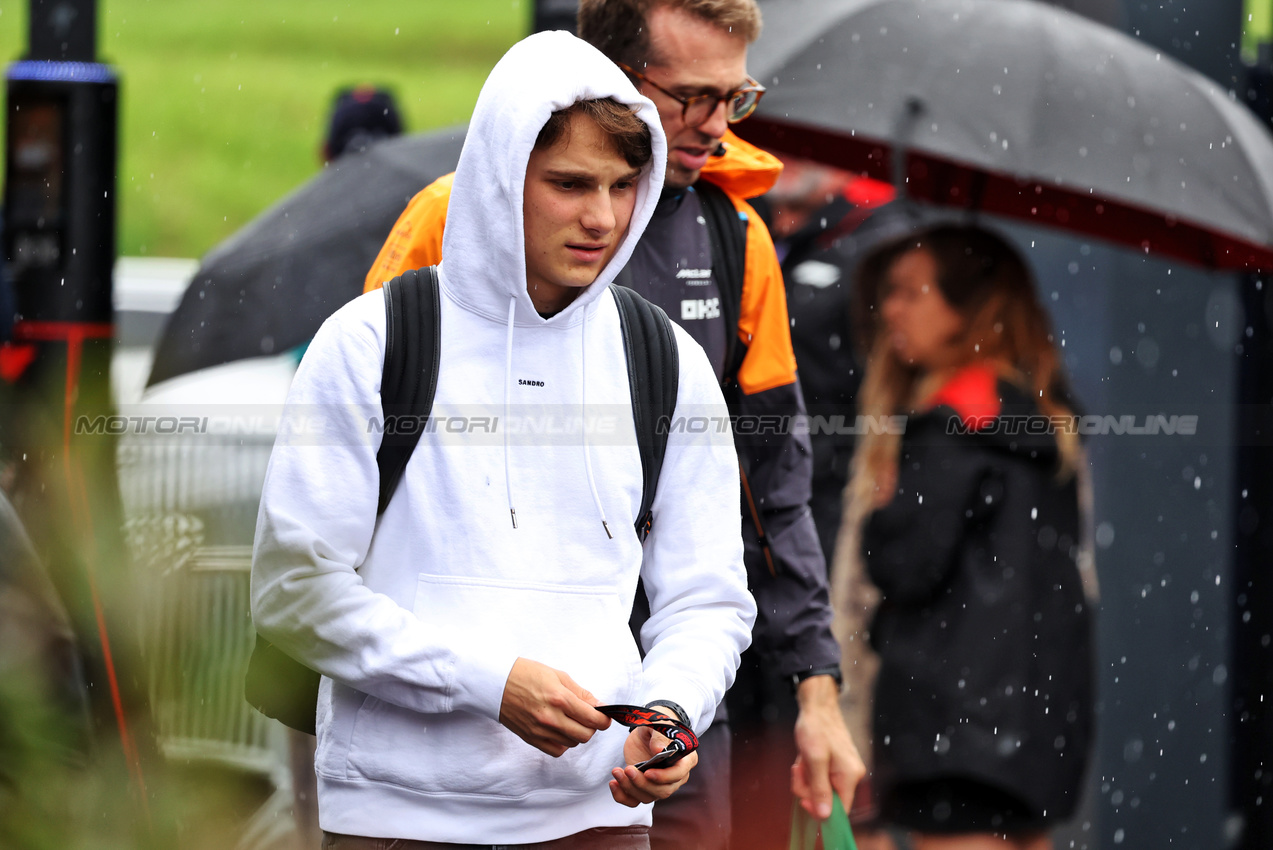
984, 635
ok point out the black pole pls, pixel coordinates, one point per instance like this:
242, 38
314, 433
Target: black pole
61, 117
62, 30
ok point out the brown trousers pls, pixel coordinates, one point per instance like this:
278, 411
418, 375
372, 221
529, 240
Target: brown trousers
608, 838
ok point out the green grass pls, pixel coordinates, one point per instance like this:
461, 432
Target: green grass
1257, 26
224, 102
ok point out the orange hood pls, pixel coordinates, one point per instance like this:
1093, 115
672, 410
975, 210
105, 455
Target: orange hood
745, 171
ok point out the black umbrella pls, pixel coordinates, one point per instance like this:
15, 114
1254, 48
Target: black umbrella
269, 286
1020, 109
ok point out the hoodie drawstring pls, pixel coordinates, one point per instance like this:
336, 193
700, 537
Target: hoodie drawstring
508, 390
583, 422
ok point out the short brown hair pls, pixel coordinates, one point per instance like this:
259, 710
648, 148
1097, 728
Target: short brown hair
628, 133
619, 28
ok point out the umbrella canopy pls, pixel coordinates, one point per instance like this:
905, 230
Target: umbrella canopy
270, 286
1022, 109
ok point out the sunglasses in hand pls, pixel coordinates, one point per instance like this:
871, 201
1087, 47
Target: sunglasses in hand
682, 739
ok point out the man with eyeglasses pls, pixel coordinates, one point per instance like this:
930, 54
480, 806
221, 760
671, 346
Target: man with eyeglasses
689, 57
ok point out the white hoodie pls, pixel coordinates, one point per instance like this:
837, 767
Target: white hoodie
415, 619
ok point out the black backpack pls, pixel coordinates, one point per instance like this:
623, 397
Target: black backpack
282, 688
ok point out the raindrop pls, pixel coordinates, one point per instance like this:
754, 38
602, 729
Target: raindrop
1105, 535
1118, 836
1116, 355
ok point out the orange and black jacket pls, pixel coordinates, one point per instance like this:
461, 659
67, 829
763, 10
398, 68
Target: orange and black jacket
785, 563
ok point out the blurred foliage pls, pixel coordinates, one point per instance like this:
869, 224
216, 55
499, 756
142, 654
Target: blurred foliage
225, 104
67, 782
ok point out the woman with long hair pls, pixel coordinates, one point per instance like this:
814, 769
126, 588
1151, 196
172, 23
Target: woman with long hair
969, 525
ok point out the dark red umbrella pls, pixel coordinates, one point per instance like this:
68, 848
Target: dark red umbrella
1022, 110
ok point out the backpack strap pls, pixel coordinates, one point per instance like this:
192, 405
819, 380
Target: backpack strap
727, 235
410, 377
653, 373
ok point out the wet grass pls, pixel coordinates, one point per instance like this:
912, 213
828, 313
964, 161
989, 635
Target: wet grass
225, 103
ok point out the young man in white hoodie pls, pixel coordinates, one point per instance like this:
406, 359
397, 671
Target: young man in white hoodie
466, 635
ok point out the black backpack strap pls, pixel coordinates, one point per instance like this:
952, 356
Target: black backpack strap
727, 234
410, 377
276, 684
653, 373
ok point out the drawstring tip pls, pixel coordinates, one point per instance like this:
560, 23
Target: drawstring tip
513, 513
607, 528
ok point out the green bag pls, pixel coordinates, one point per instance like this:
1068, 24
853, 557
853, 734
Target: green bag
836, 834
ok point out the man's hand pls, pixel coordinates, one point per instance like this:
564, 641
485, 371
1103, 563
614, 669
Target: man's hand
546, 709
826, 756
630, 786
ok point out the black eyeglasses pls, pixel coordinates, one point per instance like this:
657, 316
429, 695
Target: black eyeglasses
695, 110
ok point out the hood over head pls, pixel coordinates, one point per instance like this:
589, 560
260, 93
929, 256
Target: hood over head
484, 246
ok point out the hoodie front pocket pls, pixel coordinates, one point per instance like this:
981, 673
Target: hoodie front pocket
577, 629
581, 631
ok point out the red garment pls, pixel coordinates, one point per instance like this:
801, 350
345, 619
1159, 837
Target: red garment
973, 394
